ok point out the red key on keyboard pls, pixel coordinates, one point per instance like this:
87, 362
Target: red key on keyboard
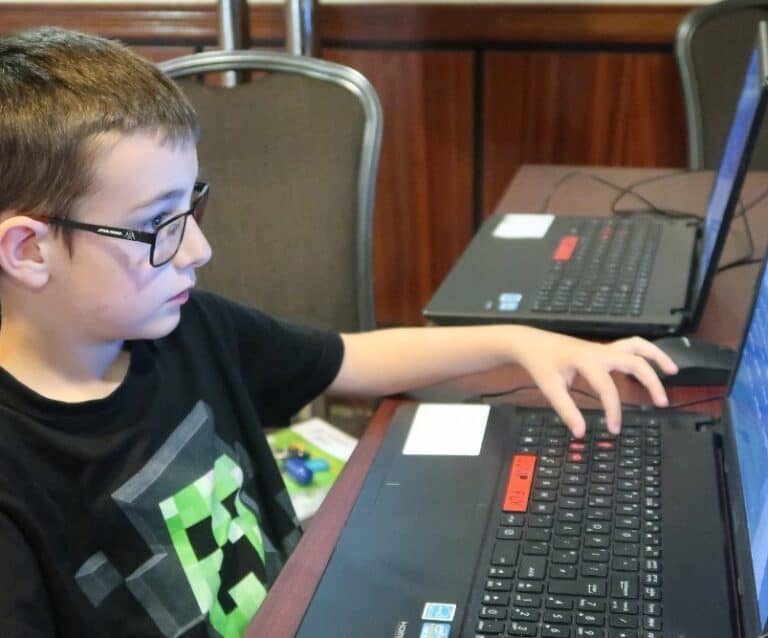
565, 247
519, 484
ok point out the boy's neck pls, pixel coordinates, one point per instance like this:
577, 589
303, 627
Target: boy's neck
56, 368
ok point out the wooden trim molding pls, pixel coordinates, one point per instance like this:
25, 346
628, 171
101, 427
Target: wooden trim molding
369, 24
147, 24
491, 24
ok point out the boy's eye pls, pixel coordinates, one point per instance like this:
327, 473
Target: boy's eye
155, 221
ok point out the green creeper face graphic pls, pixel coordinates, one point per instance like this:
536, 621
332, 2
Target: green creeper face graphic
196, 506
213, 503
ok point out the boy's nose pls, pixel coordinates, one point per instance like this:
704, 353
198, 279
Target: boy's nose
195, 251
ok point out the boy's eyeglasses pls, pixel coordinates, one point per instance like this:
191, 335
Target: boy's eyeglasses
164, 242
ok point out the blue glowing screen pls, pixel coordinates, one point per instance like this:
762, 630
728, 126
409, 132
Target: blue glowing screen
748, 404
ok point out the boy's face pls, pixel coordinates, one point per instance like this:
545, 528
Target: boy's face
107, 286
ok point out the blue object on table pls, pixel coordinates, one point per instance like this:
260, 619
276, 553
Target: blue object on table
297, 469
317, 465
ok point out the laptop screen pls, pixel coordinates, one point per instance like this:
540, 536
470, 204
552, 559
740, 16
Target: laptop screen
748, 404
728, 171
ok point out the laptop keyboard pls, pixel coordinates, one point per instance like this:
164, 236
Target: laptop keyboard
601, 267
577, 550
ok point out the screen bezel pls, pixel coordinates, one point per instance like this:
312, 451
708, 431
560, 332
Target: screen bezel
700, 295
750, 611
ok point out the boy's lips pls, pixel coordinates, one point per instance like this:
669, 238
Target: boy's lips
182, 296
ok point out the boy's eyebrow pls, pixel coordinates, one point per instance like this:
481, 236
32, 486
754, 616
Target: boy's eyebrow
167, 196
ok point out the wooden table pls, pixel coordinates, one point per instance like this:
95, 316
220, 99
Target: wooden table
563, 190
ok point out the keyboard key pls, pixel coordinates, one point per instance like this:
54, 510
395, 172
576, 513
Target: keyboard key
594, 570
533, 586
652, 623
499, 584
651, 593
514, 520
626, 549
540, 520
623, 564
565, 557
557, 602
538, 534
596, 540
524, 613
557, 617
569, 516
501, 572
509, 533
489, 627
595, 555
555, 631
624, 586
652, 609
505, 553
566, 542
542, 508
585, 587
526, 600
562, 571
521, 473
493, 612
533, 568
623, 622
517, 628
496, 598
535, 549
624, 607
590, 604
589, 619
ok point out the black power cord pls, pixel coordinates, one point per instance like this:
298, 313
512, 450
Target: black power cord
591, 395
629, 189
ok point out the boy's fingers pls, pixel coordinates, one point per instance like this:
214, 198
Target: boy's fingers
605, 388
556, 392
645, 374
648, 350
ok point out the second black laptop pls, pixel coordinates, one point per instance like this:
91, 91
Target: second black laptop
647, 275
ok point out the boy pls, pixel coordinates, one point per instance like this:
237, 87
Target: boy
138, 496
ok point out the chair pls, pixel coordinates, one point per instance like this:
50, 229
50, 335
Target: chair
291, 156
712, 46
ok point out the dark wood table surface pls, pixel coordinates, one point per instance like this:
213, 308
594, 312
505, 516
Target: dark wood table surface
558, 190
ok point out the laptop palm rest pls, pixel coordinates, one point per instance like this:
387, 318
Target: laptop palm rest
694, 540
371, 585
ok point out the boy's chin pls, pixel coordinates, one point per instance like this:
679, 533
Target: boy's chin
158, 328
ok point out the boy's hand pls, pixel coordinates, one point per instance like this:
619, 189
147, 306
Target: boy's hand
554, 360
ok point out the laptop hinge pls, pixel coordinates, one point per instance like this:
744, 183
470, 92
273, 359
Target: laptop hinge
685, 312
707, 425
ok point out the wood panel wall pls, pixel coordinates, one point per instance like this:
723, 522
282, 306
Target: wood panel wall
470, 92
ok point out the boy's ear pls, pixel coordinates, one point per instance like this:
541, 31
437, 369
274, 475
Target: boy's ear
22, 249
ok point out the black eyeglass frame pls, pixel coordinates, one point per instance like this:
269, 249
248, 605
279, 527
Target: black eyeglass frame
199, 200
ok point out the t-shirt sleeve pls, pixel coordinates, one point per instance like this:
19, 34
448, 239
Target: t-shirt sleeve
24, 609
285, 365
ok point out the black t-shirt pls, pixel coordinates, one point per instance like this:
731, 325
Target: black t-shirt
159, 510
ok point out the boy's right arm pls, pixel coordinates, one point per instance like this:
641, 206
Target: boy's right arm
24, 609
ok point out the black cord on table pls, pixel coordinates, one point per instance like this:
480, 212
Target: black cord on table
591, 395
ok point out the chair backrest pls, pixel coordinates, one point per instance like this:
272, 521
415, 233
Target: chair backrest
291, 157
712, 47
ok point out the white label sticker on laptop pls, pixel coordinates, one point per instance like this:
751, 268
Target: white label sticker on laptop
447, 429
523, 226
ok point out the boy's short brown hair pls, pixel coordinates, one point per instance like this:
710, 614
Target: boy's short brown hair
59, 91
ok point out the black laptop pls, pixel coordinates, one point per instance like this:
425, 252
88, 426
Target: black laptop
479, 522
647, 275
